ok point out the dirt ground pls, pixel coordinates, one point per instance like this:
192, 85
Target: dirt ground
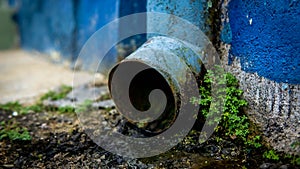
26, 75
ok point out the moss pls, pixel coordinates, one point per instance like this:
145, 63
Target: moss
66, 109
60, 94
12, 131
20, 109
85, 106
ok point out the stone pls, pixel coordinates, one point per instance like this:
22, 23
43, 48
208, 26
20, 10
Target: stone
106, 104
265, 166
85, 92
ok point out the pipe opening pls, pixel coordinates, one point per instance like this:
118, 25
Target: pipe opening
140, 88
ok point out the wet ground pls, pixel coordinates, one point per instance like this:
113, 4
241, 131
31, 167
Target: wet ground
58, 141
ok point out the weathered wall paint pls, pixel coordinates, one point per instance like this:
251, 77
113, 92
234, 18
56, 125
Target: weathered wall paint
194, 11
63, 27
128, 7
91, 16
262, 49
46, 26
265, 37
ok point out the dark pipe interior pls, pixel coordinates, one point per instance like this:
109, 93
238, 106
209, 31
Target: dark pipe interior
140, 87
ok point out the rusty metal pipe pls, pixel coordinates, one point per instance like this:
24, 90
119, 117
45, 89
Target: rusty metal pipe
160, 63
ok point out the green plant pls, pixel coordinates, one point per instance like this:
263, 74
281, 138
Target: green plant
17, 107
254, 141
294, 159
85, 106
295, 144
233, 122
66, 109
271, 154
60, 94
105, 97
13, 132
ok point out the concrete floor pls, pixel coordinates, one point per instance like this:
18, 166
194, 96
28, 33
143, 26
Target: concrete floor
25, 76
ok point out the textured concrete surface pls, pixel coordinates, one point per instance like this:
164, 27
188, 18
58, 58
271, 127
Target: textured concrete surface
25, 76
274, 107
259, 47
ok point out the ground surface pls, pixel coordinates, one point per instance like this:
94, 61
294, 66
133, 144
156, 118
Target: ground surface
59, 141
24, 76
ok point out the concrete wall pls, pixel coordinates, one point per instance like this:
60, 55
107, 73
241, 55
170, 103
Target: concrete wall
192, 11
90, 16
128, 7
47, 26
266, 38
61, 27
261, 47
259, 43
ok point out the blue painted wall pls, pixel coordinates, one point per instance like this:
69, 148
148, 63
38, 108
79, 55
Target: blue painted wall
65, 25
128, 7
194, 11
264, 34
266, 37
46, 25
92, 15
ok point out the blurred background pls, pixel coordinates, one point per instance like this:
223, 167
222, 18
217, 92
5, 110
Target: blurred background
34, 32
61, 28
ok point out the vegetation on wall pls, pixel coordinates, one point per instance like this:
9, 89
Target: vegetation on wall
234, 122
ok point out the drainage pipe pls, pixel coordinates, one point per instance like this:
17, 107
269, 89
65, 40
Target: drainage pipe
162, 64
155, 83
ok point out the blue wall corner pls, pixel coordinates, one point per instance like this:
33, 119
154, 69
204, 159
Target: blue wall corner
265, 36
226, 34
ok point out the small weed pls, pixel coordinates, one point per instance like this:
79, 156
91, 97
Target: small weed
11, 131
271, 154
254, 141
294, 159
234, 123
85, 106
17, 107
62, 93
66, 109
105, 97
